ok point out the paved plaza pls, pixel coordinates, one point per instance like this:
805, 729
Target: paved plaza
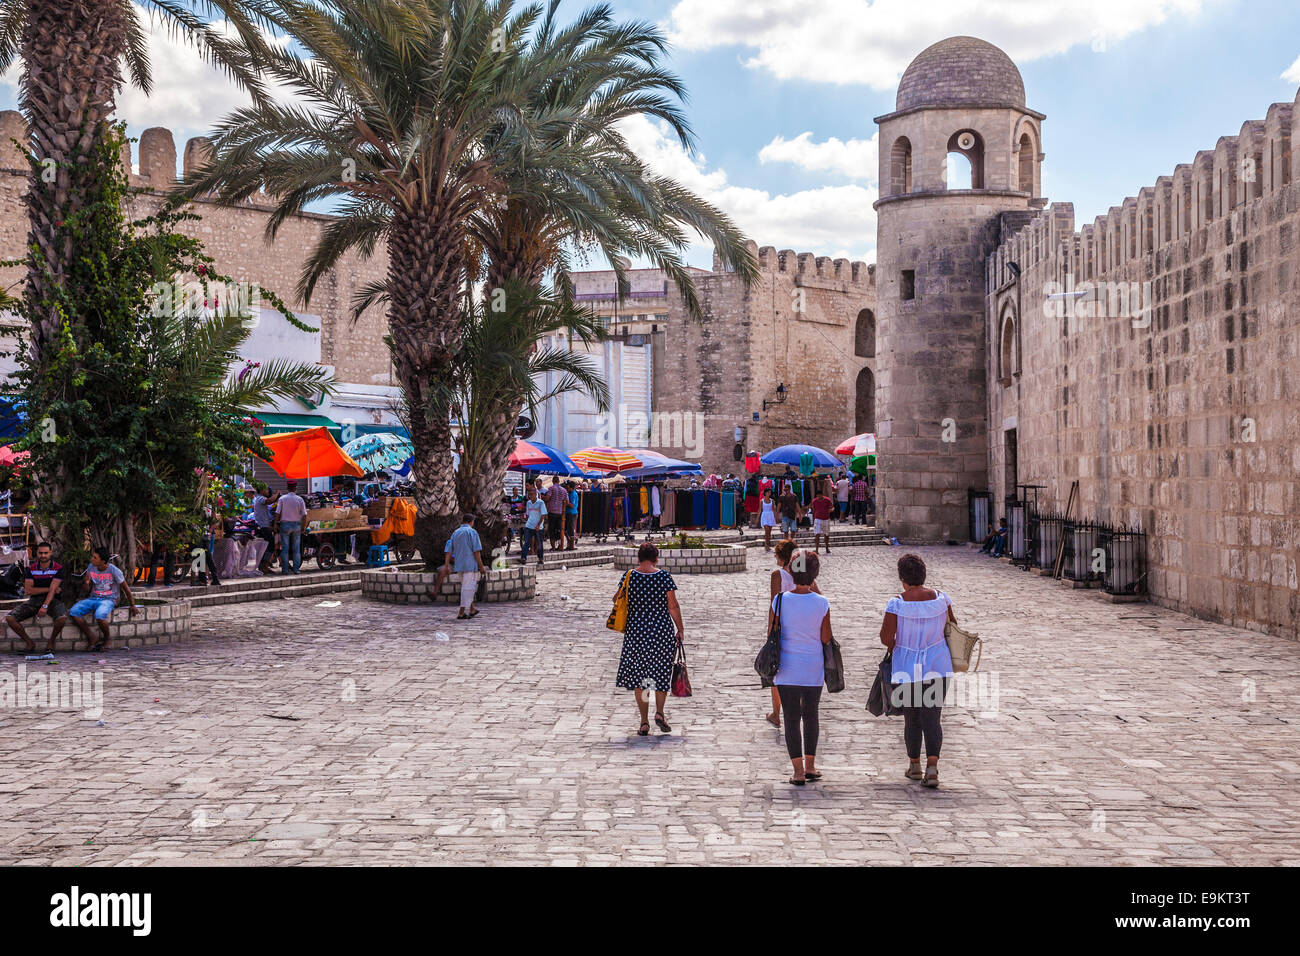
291, 732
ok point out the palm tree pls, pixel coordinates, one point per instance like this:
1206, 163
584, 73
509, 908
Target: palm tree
571, 182
399, 97
498, 371
442, 131
72, 54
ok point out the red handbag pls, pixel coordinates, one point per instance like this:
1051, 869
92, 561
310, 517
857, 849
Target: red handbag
681, 678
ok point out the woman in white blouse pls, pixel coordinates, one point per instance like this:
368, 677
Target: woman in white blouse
913, 631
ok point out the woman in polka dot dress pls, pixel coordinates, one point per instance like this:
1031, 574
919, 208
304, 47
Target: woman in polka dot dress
654, 629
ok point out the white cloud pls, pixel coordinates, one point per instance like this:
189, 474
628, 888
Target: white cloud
833, 221
871, 41
1292, 74
856, 159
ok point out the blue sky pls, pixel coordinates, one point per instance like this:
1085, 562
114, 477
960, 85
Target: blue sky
1130, 88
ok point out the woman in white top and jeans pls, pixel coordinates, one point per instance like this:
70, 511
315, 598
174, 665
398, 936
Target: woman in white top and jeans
805, 622
913, 631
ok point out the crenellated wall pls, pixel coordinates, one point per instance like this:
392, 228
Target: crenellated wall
1178, 410
235, 236
797, 325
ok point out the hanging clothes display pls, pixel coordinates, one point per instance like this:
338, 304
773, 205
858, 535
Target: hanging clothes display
668, 518
656, 503
752, 494
806, 464
594, 506
645, 500
727, 516
713, 510
684, 516
753, 463
699, 508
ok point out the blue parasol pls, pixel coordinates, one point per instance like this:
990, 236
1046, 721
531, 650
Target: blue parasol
790, 454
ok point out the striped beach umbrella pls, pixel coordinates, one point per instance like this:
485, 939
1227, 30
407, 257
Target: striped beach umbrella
610, 460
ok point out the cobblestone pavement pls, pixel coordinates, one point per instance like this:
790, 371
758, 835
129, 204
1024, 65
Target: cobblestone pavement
290, 732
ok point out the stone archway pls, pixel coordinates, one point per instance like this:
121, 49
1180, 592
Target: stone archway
864, 336
865, 405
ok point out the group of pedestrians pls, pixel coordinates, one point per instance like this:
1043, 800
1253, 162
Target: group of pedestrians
549, 513
912, 629
791, 511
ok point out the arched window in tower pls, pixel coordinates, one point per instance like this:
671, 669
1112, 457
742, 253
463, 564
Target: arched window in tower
1008, 360
900, 167
865, 407
964, 165
864, 338
1027, 155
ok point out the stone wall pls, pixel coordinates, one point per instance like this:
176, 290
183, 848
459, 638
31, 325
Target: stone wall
236, 238
1185, 420
416, 587
154, 623
796, 325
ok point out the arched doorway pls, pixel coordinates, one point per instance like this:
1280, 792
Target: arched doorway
865, 406
864, 338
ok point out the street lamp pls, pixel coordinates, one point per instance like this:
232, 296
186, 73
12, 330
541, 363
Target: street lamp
781, 394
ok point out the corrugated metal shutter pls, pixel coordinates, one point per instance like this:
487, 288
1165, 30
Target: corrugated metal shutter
636, 393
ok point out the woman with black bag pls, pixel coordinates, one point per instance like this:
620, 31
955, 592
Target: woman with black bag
803, 618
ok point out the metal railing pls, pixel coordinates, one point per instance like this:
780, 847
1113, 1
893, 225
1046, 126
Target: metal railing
1080, 563
1125, 570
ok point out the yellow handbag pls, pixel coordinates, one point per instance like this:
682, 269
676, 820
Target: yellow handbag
618, 616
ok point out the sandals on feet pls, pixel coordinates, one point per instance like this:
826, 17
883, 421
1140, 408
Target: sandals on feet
662, 724
931, 776
913, 772
798, 781
812, 775
644, 731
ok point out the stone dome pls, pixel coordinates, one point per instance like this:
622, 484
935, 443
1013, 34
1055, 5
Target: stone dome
961, 71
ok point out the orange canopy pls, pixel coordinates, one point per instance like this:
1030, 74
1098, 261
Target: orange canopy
311, 453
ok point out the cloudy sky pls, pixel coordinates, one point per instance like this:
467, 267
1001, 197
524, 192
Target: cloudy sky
783, 93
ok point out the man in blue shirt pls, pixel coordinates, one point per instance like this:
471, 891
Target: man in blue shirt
464, 556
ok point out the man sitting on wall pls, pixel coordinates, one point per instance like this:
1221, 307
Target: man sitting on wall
44, 578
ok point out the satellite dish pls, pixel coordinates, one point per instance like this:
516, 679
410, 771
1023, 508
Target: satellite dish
525, 428
965, 140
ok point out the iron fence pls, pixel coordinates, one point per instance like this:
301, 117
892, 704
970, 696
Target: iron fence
1124, 570
1045, 532
1082, 560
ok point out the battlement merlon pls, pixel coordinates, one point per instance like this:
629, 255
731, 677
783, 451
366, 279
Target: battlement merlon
810, 265
1259, 161
155, 167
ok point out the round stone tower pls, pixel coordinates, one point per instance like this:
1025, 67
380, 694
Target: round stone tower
959, 162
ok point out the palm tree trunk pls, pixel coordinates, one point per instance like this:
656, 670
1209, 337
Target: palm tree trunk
425, 273
482, 478
71, 52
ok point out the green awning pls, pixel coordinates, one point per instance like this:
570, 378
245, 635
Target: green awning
278, 423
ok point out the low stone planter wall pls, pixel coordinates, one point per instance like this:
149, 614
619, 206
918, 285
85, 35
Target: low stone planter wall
416, 587
155, 622
716, 560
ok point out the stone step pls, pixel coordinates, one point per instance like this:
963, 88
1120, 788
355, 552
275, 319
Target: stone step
296, 590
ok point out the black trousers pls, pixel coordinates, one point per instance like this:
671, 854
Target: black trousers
922, 707
799, 704
859, 512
